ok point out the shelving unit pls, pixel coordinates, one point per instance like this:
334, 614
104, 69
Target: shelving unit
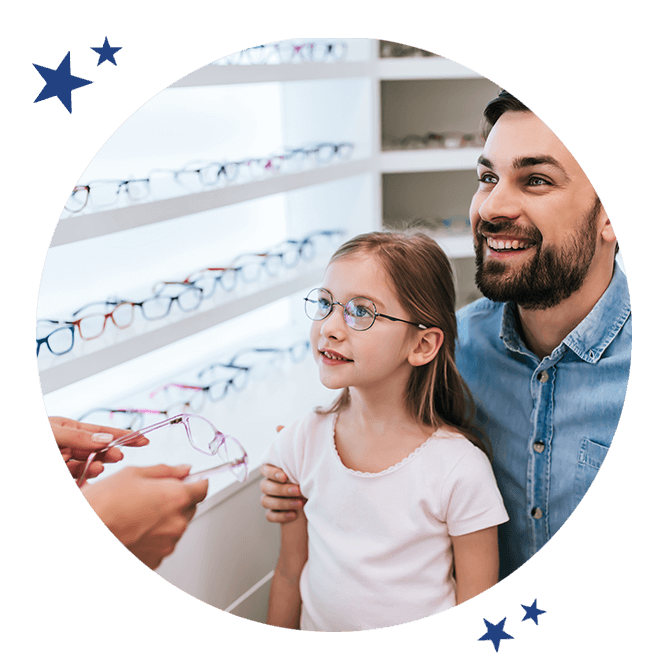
99, 253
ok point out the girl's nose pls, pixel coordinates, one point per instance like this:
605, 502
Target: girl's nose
334, 326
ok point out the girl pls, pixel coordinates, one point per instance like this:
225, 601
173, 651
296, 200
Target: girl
402, 512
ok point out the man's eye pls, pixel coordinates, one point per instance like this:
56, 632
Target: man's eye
537, 180
487, 178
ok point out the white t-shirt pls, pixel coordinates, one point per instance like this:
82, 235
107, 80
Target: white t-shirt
379, 547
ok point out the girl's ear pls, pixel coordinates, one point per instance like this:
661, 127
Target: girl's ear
427, 346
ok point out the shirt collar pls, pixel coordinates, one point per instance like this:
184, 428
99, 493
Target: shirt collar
594, 333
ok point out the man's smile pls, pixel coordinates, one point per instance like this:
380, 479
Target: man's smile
506, 245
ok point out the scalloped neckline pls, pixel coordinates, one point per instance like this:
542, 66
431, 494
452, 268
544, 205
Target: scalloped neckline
386, 471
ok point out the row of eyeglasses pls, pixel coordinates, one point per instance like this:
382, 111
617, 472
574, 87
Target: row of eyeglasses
212, 384
447, 139
192, 290
287, 52
200, 174
395, 50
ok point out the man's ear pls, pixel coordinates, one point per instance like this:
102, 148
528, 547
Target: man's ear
606, 230
426, 347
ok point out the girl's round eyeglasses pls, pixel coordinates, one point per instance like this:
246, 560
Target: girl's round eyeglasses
359, 313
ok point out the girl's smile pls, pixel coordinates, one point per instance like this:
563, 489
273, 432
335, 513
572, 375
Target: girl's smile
332, 358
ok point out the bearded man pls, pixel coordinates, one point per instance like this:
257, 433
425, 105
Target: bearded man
546, 352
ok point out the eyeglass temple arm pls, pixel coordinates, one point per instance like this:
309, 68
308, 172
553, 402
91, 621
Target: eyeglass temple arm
397, 319
157, 288
109, 302
221, 365
205, 474
175, 384
119, 442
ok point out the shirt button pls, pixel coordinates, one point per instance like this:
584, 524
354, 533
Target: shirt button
543, 376
536, 513
538, 447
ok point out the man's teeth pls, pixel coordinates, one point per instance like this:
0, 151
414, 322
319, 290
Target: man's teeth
508, 245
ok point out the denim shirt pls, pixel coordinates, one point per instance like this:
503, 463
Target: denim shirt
550, 422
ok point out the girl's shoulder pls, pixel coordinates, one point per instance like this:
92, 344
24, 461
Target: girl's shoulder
454, 445
310, 425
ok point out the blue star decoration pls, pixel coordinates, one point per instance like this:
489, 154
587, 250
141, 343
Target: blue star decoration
532, 612
60, 83
106, 52
495, 633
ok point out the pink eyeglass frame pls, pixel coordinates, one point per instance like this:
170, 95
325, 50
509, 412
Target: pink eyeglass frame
219, 439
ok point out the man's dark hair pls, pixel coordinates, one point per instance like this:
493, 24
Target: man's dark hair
497, 107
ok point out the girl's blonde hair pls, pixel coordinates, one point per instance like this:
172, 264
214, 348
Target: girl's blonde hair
422, 276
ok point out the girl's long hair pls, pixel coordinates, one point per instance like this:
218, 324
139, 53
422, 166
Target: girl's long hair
422, 276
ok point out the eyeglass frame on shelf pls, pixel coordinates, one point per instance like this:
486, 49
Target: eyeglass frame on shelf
219, 439
75, 189
265, 52
45, 340
140, 304
206, 389
120, 183
106, 316
261, 350
276, 251
137, 412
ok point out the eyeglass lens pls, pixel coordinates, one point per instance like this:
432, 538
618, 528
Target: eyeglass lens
359, 313
106, 193
78, 199
159, 306
205, 438
93, 325
60, 341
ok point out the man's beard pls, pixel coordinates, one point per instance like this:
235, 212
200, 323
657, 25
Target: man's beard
551, 276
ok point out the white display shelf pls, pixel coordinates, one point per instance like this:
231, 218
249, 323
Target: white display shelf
120, 357
386, 69
80, 227
101, 223
124, 367
395, 69
128, 344
429, 159
221, 75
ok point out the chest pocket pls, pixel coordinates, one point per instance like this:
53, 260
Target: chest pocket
591, 456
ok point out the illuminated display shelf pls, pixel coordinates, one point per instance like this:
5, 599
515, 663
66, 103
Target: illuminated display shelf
358, 183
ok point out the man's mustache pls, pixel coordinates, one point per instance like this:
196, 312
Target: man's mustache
509, 228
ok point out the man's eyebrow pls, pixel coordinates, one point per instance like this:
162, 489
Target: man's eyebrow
537, 160
528, 161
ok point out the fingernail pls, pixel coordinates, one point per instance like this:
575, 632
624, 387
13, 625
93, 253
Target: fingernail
102, 438
280, 476
294, 490
295, 503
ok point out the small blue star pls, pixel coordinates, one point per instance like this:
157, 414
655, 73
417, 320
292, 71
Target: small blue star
59, 83
532, 612
106, 52
495, 633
